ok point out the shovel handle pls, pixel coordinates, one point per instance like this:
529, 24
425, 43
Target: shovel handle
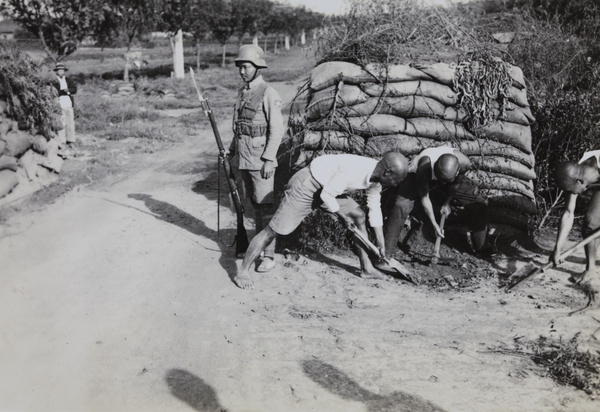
438, 240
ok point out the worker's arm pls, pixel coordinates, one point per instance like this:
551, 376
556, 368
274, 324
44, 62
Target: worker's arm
566, 224
450, 193
423, 177
275, 130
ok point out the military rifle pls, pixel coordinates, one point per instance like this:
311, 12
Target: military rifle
241, 238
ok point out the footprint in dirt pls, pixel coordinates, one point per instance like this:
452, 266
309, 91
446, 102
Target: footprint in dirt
336, 382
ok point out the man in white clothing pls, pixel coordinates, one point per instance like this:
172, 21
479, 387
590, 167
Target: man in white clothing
318, 185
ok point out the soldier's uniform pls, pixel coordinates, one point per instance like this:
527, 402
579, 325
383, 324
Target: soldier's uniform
258, 130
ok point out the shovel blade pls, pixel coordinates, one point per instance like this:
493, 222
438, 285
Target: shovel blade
403, 270
521, 274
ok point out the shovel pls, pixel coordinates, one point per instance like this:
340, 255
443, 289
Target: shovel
531, 269
438, 243
391, 262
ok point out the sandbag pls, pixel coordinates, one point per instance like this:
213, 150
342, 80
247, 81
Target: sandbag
396, 73
9, 162
40, 144
518, 96
442, 130
513, 134
440, 92
514, 201
439, 72
382, 124
497, 181
334, 140
407, 106
407, 145
17, 143
504, 166
8, 181
517, 76
514, 114
321, 102
331, 73
492, 148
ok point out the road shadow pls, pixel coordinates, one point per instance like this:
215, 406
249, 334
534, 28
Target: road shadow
193, 391
339, 384
171, 214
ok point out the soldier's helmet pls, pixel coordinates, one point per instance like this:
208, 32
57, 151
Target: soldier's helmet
253, 54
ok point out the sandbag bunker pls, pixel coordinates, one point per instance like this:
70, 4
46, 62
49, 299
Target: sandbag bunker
407, 108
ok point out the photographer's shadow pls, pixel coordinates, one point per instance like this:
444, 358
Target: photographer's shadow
336, 382
193, 391
173, 215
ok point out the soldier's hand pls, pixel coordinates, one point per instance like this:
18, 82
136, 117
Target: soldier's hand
268, 169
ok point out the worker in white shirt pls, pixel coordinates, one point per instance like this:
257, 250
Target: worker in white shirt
319, 185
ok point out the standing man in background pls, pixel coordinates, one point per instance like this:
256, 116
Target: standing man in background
66, 89
258, 130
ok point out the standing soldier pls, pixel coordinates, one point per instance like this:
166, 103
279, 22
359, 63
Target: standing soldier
258, 130
66, 89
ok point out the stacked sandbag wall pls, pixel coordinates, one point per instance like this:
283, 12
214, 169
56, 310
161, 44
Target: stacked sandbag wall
404, 108
28, 161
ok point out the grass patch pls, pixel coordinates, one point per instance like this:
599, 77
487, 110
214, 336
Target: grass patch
563, 361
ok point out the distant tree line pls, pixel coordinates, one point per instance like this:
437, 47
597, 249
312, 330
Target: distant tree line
61, 25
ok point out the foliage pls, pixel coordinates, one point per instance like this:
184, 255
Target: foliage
480, 80
565, 363
127, 20
30, 99
396, 29
60, 25
562, 71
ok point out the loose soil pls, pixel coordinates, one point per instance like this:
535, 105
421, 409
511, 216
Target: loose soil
117, 296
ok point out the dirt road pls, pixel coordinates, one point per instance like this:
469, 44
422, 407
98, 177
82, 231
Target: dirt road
117, 297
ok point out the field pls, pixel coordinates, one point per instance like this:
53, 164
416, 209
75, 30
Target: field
117, 291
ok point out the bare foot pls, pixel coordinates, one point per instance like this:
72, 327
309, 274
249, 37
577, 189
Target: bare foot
581, 277
243, 281
374, 274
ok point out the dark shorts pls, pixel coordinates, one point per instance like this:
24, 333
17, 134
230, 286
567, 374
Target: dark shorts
591, 221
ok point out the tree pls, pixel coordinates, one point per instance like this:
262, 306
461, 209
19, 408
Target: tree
60, 25
221, 22
198, 27
248, 15
175, 17
127, 20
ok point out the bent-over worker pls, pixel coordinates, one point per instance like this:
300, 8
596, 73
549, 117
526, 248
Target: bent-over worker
576, 178
319, 185
438, 166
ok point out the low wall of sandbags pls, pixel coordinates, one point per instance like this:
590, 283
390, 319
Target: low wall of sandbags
28, 162
407, 108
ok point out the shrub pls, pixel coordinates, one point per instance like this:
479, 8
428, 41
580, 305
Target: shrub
30, 99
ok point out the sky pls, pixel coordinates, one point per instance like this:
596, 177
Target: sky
340, 6
321, 6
